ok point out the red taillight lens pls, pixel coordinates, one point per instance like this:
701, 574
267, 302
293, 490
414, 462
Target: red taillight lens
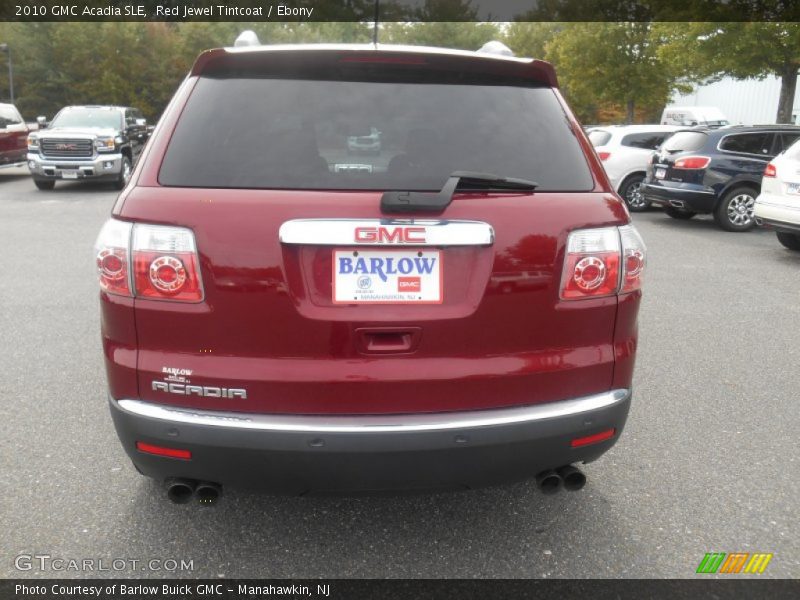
602, 262
770, 171
162, 451
692, 162
111, 257
159, 262
165, 264
593, 439
604, 155
591, 268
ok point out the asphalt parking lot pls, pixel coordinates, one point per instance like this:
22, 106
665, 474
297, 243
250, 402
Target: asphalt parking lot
707, 463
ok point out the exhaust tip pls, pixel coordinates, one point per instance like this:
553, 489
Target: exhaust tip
180, 491
549, 482
573, 478
208, 493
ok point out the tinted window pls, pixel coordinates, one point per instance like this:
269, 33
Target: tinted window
787, 139
102, 118
749, 143
598, 137
685, 141
304, 134
645, 140
9, 116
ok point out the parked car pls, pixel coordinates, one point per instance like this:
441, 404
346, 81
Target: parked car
778, 204
272, 321
690, 116
715, 171
625, 151
87, 142
365, 144
13, 133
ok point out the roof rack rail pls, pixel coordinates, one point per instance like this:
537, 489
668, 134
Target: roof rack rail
247, 38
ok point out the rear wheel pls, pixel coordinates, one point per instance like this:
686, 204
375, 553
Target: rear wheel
44, 184
631, 191
679, 213
735, 211
790, 240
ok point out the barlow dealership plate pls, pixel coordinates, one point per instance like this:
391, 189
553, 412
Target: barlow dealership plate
387, 277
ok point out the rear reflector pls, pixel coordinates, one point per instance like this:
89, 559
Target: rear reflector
604, 155
692, 162
770, 171
162, 451
593, 439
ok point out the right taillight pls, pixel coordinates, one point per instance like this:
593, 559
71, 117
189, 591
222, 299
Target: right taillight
602, 262
692, 162
148, 261
770, 171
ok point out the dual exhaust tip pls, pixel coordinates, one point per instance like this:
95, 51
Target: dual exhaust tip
181, 491
570, 477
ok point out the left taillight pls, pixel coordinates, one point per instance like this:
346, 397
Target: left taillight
148, 261
112, 257
602, 262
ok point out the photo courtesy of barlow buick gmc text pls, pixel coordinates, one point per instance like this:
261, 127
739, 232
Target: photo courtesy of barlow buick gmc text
399, 298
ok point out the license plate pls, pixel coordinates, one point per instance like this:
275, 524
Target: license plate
387, 277
661, 172
69, 174
793, 188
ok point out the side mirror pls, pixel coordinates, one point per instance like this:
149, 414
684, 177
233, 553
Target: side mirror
42, 121
141, 122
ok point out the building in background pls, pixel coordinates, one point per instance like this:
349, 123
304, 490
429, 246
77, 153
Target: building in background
743, 101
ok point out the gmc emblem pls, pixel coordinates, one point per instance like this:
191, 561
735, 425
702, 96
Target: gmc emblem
391, 235
66, 146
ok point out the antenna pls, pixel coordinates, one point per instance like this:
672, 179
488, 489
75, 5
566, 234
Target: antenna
377, 18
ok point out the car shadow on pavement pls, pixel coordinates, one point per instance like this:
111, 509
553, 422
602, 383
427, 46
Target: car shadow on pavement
505, 531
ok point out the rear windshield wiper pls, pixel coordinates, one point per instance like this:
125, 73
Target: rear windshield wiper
394, 202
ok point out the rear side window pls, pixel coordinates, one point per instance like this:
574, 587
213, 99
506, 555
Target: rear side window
684, 141
747, 143
786, 140
598, 137
366, 135
645, 140
9, 116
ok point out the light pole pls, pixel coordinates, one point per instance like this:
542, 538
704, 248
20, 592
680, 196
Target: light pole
5, 48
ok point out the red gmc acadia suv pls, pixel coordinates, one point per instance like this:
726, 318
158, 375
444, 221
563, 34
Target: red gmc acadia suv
458, 307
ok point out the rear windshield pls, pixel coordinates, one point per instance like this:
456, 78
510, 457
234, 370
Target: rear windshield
359, 135
598, 137
685, 141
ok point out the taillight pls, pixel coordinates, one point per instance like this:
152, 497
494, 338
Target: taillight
770, 171
148, 261
165, 264
604, 155
111, 257
602, 262
692, 162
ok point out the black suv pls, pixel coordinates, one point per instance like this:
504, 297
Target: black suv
715, 171
94, 142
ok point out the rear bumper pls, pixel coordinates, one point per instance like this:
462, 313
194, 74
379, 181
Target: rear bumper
297, 454
690, 197
777, 214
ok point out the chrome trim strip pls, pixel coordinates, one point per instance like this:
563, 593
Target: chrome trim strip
342, 232
650, 186
366, 424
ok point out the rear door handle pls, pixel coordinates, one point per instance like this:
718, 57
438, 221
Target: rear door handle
388, 340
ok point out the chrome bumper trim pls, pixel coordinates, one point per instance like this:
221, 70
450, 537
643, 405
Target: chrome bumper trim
386, 232
319, 424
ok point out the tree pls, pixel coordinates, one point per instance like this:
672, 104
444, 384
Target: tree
709, 51
531, 39
613, 63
